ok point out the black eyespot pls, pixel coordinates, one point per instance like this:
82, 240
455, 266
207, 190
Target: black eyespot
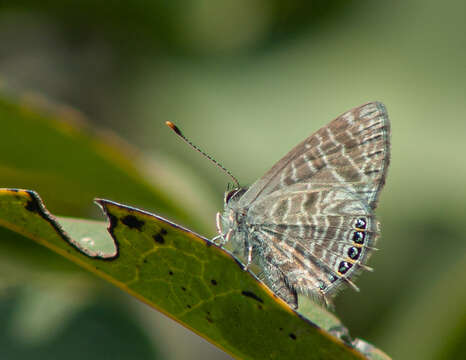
344, 267
358, 237
332, 278
361, 223
353, 252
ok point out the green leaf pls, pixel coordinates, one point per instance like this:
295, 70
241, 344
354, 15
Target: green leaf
55, 152
179, 273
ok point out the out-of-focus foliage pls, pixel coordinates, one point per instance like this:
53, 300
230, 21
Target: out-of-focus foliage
185, 28
248, 80
30, 334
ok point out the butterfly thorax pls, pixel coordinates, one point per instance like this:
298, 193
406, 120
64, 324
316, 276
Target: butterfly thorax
233, 229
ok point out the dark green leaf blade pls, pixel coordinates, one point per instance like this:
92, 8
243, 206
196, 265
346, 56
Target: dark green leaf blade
182, 275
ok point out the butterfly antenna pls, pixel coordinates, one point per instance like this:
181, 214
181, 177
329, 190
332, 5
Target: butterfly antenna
185, 139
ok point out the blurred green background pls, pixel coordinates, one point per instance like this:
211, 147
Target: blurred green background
247, 80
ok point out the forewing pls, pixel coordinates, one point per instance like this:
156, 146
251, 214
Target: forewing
351, 151
309, 234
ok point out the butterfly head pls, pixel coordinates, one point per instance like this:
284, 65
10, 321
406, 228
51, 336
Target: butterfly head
231, 215
231, 219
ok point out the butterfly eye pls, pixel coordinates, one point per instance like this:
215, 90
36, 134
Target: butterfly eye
229, 195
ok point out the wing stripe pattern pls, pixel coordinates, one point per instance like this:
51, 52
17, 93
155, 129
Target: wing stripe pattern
310, 219
319, 158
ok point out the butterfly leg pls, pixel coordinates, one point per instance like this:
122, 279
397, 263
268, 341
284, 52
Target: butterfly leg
218, 223
217, 239
249, 258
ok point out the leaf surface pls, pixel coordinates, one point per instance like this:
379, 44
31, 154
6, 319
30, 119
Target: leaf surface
180, 274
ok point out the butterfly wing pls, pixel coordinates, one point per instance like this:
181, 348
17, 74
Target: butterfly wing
312, 237
307, 210
352, 150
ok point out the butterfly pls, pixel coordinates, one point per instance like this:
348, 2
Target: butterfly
309, 223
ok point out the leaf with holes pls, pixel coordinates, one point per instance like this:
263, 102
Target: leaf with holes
180, 274
53, 150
